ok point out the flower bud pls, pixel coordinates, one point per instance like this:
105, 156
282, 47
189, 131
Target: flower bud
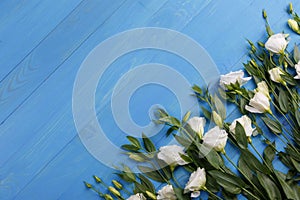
136, 157
293, 25
264, 13
117, 184
97, 179
291, 8
87, 184
114, 191
217, 119
151, 195
108, 197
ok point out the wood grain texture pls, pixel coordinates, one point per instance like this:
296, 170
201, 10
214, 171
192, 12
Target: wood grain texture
41, 155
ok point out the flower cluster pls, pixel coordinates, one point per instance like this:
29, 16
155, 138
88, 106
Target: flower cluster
202, 140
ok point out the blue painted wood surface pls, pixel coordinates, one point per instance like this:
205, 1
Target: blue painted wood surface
42, 45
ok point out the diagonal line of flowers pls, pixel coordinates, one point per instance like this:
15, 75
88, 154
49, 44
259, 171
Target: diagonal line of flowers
276, 74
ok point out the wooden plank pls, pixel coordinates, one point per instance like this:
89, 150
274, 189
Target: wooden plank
55, 130
50, 54
24, 24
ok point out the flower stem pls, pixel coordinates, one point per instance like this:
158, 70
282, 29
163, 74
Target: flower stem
233, 164
212, 194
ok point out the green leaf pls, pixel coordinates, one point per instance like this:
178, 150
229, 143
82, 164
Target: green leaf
181, 140
149, 146
296, 164
244, 168
151, 173
215, 159
134, 141
179, 194
219, 105
240, 136
130, 147
229, 182
212, 184
186, 116
270, 187
148, 184
197, 89
269, 154
283, 101
297, 115
206, 113
285, 186
253, 163
171, 130
274, 126
296, 54
289, 79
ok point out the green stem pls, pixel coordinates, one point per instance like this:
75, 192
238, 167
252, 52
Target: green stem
261, 157
233, 164
212, 194
255, 197
163, 177
175, 180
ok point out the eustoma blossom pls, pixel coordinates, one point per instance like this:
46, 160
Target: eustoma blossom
171, 155
197, 124
166, 192
196, 182
232, 78
215, 138
277, 43
246, 123
259, 104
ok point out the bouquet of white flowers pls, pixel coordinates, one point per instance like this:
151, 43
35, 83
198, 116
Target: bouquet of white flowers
201, 151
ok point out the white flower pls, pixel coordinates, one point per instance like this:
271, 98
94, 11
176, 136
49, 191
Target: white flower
232, 78
275, 75
293, 25
276, 43
171, 155
196, 182
166, 192
246, 123
263, 88
138, 196
215, 138
259, 104
297, 67
197, 124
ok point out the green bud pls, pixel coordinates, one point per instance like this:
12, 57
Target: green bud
217, 119
117, 184
291, 8
136, 157
293, 25
151, 195
264, 13
114, 191
97, 179
87, 184
108, 197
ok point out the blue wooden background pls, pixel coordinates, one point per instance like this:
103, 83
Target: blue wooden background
42, 45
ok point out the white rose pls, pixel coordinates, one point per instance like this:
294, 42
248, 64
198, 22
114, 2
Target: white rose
233, 77
297, 67
197, 124
196, 182
263, 88
276, 43
259, 104
138, 196
171, 155
275, 75
166, 192
215, 138
246, 123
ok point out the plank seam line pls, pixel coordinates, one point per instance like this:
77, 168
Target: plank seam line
39, 43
